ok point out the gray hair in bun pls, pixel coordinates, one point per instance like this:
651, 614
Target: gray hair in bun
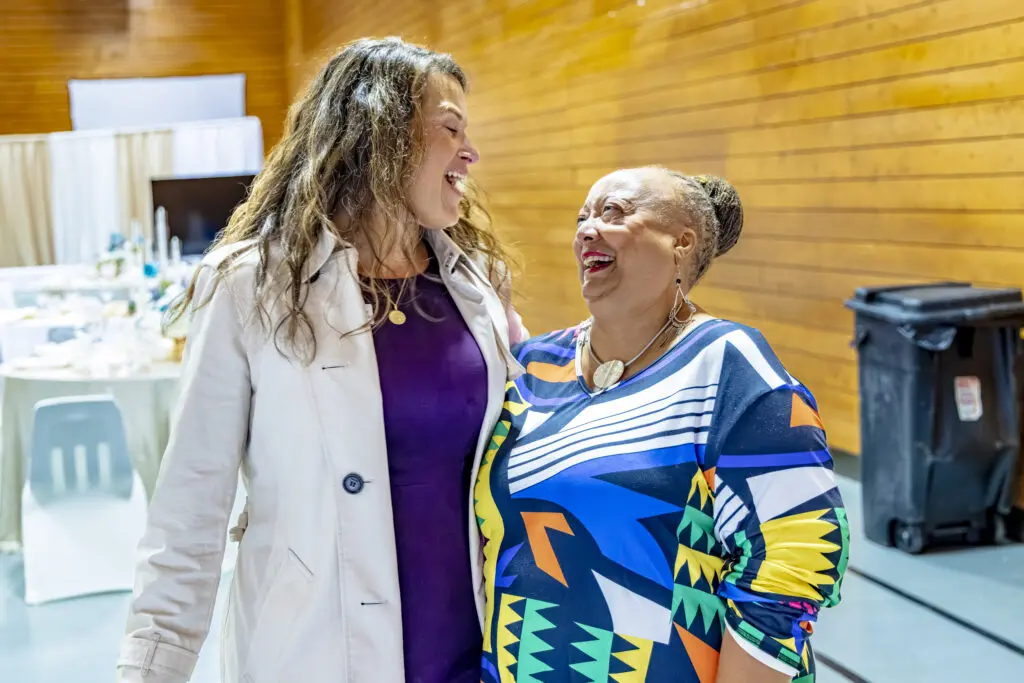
714, 207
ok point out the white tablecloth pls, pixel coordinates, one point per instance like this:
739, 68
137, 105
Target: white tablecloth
21, 335
31, 294
146, 399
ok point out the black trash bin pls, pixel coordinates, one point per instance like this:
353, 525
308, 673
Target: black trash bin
939, 416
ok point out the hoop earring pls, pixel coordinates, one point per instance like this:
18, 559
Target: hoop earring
680, 300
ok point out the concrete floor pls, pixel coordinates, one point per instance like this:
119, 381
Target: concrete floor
955, 616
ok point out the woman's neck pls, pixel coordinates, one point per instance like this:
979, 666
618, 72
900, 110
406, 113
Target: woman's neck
621, 337
388, 251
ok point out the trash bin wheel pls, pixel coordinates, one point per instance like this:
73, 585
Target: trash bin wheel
908, 537
1015, 525
995, 528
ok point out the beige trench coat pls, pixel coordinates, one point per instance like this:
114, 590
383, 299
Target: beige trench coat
315, 595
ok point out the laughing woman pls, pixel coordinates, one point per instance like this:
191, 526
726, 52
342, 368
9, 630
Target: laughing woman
658, 504
348, 352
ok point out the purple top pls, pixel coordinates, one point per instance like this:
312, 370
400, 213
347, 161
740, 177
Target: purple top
434, 384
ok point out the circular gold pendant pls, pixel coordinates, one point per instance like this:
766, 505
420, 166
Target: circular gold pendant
608, 374
396, 317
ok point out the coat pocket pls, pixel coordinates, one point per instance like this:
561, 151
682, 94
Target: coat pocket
275, 626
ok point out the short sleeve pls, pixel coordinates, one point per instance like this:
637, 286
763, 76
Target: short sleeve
780, 517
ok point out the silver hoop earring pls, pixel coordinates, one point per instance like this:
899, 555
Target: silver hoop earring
677, 305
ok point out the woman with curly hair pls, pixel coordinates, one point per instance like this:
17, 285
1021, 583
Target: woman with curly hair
348, 351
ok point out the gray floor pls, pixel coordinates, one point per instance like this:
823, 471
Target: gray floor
945, 617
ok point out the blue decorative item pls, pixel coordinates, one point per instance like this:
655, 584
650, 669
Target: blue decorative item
150, 270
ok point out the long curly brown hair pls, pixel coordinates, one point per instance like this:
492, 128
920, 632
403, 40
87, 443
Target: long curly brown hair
352, 142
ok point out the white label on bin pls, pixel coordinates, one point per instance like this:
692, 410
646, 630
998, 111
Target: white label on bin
968, 398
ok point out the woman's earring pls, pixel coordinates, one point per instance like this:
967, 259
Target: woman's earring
677, 305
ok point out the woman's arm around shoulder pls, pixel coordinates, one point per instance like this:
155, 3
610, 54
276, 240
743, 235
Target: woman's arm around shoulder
182, 550
501, 281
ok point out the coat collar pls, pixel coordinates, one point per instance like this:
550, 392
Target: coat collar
449, 254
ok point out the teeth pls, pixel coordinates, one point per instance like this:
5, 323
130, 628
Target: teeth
458, 181
592, 261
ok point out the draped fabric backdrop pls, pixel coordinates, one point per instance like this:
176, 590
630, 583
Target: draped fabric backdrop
140, 158
84, 194
62, 195
26, 223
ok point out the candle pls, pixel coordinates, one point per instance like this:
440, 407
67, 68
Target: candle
175, 251
161, 237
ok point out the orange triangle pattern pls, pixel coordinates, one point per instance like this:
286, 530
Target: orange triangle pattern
803, 415
537, 525
703, 657
709, 477
550, 372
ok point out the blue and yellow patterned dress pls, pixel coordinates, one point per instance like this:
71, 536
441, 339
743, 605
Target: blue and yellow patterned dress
626, 530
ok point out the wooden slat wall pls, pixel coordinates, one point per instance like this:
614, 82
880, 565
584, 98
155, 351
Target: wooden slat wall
43, 43
873, 141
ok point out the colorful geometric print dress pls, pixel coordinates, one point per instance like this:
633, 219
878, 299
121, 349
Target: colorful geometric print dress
626, 530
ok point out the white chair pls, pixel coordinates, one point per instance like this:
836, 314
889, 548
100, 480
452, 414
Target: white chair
83, 506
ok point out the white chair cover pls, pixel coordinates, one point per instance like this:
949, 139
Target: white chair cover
83, 506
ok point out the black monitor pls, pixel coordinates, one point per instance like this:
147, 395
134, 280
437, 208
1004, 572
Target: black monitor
199, 207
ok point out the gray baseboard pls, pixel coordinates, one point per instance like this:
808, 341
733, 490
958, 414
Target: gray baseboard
847, 464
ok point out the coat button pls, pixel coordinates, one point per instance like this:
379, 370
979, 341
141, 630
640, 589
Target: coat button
353, 483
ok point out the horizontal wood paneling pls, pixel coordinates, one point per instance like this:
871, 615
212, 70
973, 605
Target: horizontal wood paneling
44, 43
873, 142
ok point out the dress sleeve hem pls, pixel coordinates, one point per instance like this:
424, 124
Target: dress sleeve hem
761, 655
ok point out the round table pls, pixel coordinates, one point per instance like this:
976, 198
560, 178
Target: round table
21, 332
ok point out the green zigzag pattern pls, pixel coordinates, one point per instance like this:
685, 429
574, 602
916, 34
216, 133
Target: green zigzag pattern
700, 525
600, 650
531, 644
844, 558
697, 602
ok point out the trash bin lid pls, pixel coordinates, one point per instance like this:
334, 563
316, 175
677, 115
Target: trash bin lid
938, 303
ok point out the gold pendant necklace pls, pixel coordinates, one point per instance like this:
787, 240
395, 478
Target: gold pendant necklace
396, 316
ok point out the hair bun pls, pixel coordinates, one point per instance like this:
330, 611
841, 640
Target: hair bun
728, 210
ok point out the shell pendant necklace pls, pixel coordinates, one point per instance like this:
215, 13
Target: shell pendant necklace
608, 373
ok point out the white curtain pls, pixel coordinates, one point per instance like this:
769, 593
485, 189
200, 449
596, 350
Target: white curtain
84, 194
218, 147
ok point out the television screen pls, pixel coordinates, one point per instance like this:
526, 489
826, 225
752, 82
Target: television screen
199, 207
